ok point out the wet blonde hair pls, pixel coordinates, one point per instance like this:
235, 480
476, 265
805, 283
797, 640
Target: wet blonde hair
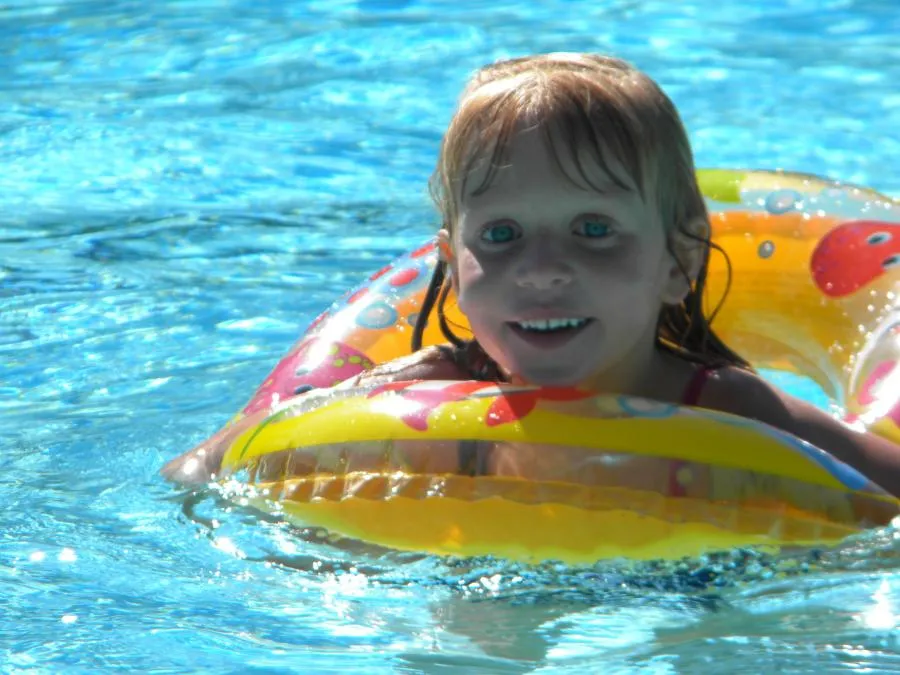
592, 103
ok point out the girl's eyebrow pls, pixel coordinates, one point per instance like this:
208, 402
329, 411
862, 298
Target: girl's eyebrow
506, 196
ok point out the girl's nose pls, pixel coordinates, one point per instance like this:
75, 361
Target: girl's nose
544, 268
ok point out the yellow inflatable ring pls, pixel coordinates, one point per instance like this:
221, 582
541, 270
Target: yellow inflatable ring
475, 468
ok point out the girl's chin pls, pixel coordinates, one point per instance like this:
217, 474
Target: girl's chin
550, 376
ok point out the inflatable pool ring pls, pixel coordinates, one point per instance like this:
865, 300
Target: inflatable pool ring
528, 473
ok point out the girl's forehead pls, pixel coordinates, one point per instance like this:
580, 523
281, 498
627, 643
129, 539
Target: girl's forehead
534, 155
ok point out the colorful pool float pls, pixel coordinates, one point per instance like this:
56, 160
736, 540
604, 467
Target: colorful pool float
475, 468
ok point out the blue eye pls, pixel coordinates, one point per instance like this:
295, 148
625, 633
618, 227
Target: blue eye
502, 233
593, 229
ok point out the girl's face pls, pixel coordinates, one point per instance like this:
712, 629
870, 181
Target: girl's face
562, 284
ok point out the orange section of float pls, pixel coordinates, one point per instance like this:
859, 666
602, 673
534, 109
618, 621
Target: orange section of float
531, 473
622, 525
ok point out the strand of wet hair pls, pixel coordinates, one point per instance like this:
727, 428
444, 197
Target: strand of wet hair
431, 296
695, 340
437, 292
458, 342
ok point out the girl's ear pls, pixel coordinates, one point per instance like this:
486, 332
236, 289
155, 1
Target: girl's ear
443, 244
688, 251
445, 252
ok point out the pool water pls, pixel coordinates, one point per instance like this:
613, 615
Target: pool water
185, 185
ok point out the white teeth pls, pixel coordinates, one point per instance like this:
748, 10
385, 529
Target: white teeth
551, 324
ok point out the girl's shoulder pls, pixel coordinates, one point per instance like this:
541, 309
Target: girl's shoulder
743, 392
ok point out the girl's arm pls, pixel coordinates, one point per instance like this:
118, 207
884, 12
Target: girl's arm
739, 392
203, 462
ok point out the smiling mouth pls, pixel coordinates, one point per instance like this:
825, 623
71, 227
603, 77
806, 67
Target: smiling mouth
550, 325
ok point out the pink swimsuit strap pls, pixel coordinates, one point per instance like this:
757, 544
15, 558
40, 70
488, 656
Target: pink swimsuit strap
694, 387
691, 396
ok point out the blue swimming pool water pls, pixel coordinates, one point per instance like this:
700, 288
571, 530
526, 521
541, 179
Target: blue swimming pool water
184, 185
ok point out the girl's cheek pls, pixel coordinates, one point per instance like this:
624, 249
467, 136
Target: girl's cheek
470, 268
626, 260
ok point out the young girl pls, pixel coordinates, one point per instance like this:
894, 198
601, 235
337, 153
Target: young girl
576, 239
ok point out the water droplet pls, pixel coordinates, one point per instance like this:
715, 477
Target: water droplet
766, 249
